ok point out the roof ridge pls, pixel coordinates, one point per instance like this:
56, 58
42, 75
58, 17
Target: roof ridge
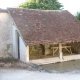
36, 9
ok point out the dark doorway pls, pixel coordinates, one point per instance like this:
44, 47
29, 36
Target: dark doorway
17, 45
18, 48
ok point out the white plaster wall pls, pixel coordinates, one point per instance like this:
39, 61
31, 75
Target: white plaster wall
22, 50
15, 52
22, 47
5, 35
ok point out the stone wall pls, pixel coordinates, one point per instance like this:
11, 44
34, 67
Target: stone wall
38, 51
75, 47
41, 50
35, 50
5, 35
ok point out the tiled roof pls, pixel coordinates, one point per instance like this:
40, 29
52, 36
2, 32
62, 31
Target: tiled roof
46, 26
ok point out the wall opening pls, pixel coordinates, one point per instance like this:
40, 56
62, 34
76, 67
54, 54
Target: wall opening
75, 48
41, 51
17, 45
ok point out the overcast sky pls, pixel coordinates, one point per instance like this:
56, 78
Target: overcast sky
71, 5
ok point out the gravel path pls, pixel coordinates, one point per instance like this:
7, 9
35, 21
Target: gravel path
16, 70
18, 74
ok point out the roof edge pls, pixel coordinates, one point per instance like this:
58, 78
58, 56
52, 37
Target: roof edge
38, 9
16, 26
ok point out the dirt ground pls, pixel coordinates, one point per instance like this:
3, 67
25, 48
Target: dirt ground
12, 63
16, 64
11, 69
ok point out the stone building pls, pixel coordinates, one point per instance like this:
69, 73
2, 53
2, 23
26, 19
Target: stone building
39, 36
5, 34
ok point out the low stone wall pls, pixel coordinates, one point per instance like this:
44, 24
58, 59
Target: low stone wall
35, 50
75, 47
42, 50
5, 35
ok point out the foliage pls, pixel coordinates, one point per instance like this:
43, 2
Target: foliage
42, 4
78, 15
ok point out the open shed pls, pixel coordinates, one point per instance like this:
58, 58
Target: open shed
45, 36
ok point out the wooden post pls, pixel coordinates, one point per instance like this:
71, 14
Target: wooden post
27, 53
60, 51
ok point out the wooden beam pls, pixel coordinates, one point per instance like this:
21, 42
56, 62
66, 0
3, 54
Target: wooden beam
60, 51
54, 50
27, 53
68, 48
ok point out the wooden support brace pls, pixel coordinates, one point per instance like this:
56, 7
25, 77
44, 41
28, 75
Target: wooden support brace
27, 53
54, 50
60, 51
68, 48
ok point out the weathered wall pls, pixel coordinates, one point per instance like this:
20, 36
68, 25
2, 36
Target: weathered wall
75, 47
17, 40
5, 35
23, 56
37, 52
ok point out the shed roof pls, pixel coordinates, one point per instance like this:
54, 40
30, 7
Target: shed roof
46, 26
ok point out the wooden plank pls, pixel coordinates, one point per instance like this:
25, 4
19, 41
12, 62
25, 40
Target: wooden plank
66, 46
60, 51
54, 50
27, 53
54, 47
69, 50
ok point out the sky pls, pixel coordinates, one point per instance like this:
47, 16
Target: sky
71, 5
10, 3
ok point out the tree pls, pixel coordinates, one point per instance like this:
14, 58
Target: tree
42, 4
78, 15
